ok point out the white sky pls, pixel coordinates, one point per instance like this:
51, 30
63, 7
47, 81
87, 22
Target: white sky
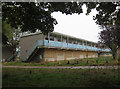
80, 26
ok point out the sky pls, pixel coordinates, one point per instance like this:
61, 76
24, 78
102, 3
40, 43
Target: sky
80, 26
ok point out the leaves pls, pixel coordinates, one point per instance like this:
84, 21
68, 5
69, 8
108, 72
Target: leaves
111, 38
33, 16
7, 32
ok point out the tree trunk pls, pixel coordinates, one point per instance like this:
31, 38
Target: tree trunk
114, 54
114, 51
118, 54
14, 52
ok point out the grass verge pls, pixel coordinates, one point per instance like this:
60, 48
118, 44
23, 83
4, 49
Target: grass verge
14, 77
101, 61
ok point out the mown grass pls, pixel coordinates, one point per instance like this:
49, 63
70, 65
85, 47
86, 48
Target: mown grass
14, 77
101, 61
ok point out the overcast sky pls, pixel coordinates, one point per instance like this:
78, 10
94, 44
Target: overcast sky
80, 26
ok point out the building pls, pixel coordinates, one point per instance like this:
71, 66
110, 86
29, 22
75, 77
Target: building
55, 47
7, 53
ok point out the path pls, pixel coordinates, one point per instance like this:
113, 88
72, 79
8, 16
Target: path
65, 67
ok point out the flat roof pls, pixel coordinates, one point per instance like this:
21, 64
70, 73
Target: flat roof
30, 34
55, 33
71, 36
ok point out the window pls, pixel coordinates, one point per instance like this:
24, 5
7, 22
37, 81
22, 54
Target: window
46, 37
52, 38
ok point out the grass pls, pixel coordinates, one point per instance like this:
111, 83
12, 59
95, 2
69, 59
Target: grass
101, 61
14, 77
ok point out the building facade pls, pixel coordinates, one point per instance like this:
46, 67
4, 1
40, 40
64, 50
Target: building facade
55, 47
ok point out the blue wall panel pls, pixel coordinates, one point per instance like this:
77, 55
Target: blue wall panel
70, 45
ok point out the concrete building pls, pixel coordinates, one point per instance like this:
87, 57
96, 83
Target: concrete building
55, 47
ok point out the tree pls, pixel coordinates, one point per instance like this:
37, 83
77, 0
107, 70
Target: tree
7, 33
27, 16
108, 17
106, 12
32, 16
10, 37
111, 38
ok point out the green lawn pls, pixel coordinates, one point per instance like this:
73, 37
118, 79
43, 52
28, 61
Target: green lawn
14, 77
79, 62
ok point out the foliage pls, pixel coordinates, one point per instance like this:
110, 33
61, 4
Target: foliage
108, 17
106, 12
7, 33
111, 38
31, 16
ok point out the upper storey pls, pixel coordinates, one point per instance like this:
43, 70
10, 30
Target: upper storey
58, 40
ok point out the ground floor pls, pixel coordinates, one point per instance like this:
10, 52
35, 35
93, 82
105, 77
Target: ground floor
53, 54
61, 54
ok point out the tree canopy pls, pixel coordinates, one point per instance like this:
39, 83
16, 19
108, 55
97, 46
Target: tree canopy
7, 32
107, 12
111, 38
31, 16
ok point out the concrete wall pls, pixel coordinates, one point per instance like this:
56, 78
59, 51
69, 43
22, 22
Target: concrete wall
61, 54
27, 42
7, 51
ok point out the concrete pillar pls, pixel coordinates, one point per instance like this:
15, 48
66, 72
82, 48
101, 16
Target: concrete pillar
61, 41
61, 38
67, 41
76, 44
83, 44
48, 38
86, 45
91, 44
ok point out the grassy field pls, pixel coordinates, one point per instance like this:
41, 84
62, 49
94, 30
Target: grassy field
101, 61
14, 77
